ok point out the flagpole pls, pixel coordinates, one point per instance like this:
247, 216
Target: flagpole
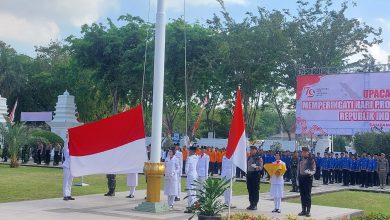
154, 170
231, 192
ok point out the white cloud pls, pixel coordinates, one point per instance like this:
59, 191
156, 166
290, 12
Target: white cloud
179, 4
30, 31
379, 53
384, 23
39, 21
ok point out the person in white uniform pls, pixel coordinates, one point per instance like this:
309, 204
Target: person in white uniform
228, 172
172, 167
68, 178
132, 182
202, 167
277, 185
179, 156
192, 175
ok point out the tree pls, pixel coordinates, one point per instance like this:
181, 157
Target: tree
114, 55
15, 136
339, 144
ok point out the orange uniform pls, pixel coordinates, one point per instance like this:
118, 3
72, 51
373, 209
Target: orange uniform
185, 153
213, 156
219, 156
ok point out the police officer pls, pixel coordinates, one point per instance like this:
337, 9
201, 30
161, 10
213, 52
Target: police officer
294, 167
306, 170
383, 169
111, 184
254, 165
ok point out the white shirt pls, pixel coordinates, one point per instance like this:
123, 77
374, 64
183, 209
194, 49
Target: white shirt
202, 167
191, 164
228, 168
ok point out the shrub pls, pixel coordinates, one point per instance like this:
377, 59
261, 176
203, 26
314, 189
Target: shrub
373, 216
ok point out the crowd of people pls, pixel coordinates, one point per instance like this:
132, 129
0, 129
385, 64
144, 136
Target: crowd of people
40, 153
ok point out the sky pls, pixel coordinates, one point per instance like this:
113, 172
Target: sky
28, 23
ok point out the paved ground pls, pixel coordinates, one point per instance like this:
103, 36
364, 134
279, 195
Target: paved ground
98, 207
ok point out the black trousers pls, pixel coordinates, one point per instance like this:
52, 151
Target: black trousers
370, 177
184, 166
345, 177
317, 175
352, 178
376, 178
331, 176
39, 158
211, 168
253, 186
325, 176
111, 183
339, 176
364, 178
305, 184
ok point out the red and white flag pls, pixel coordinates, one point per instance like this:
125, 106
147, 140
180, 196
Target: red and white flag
110, 146
236, 148
12, 113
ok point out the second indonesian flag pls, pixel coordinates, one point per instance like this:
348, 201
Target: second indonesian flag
110, 146
236, 148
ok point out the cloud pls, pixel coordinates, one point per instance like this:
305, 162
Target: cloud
379, 53
179, 4
39, 21
384, 23
29, 31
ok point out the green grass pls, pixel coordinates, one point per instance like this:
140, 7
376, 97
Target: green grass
369, 202
29, 183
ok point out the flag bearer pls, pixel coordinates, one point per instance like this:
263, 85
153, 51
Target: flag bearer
192, 175
202, 167
228, 172
179, 156
172, 167
132, 182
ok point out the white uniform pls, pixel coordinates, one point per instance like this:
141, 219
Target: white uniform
192, 175
68, 178
277, 187
132, 182
228, 171
179, 156
172, 167
202, 167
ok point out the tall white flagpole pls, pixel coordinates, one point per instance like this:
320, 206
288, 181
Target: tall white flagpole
158, 83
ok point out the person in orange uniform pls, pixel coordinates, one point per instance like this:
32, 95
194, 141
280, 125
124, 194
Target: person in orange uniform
213, 160
219, 161
184, 151
198, 150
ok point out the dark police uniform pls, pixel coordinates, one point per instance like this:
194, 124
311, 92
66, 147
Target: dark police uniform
306, 183
111, 183
253, 180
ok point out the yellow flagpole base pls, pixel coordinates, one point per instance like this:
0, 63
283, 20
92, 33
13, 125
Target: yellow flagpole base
153, 173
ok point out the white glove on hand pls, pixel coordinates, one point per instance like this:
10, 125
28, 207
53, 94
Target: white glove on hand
173, 174
311, 173
254, 165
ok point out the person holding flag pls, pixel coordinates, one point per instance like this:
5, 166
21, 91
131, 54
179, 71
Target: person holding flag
227, 173
172, 168
236, 151
276, 170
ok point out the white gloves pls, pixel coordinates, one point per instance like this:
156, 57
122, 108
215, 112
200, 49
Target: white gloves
311, 173
254, 165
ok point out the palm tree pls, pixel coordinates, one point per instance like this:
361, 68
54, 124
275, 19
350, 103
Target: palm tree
15, 135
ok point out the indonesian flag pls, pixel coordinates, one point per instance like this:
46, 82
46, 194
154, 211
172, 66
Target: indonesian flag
236, 148
110, 146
